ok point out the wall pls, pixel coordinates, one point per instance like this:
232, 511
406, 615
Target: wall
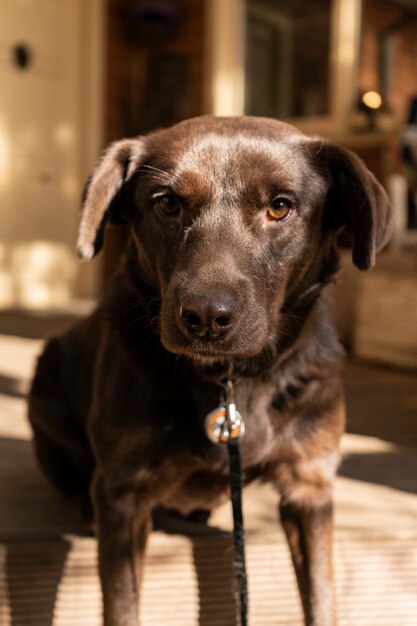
49, 131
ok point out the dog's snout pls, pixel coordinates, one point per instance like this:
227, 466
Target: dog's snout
208, 316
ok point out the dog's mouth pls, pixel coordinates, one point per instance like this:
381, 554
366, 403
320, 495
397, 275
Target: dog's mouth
216, 351
218, 364
208, 352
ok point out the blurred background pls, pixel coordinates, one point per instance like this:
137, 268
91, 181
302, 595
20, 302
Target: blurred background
78, 74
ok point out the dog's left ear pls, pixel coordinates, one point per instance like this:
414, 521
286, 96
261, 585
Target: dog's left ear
103, 188
355, 200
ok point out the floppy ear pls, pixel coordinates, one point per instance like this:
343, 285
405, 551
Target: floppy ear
355, 201
116, 167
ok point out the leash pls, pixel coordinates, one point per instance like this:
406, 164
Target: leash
225, 425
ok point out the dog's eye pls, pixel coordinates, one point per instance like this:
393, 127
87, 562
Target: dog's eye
167, 205
280, 209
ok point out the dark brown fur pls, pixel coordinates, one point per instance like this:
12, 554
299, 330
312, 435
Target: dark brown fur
118, 403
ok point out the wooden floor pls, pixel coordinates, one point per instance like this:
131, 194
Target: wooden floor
48, 564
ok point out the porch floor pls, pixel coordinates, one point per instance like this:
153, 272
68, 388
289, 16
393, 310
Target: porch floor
48, 564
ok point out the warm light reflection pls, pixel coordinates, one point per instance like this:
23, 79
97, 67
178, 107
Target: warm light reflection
372, 99
349, 12
227, 99
226, 25
43, 273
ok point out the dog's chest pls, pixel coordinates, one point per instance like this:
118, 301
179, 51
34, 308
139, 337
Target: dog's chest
202, 471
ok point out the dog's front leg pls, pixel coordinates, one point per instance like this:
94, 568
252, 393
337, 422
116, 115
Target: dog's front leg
122, 528
308, 527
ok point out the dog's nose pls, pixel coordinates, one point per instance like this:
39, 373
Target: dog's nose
208, 316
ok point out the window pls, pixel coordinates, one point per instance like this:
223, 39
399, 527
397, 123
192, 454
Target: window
287, 64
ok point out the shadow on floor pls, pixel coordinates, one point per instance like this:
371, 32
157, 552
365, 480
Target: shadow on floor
12, 386
34, 571
33, 576
391, 469
381, 402
30, 505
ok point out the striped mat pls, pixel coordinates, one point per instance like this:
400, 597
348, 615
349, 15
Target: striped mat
189, 582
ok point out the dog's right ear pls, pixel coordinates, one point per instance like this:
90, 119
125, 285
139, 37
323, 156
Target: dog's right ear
116, 167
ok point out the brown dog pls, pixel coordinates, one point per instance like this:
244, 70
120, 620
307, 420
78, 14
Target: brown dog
233, 240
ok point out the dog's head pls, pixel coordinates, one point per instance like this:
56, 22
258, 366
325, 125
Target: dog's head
231, 218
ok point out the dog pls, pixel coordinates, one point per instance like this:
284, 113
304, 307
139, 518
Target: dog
233, 241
